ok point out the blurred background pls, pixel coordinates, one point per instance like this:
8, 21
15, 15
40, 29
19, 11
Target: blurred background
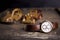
9, 31
4, 4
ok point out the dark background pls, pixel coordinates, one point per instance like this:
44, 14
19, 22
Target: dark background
4, 4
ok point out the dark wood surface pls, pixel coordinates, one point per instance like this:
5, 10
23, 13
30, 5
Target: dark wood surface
15, 31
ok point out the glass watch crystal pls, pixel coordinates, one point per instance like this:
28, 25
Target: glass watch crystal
46, 26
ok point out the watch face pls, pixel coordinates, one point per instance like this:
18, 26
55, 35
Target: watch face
46, 26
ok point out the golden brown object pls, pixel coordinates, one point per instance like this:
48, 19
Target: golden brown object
4, 19
14, 16
28, 19
32, 16
35, 14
